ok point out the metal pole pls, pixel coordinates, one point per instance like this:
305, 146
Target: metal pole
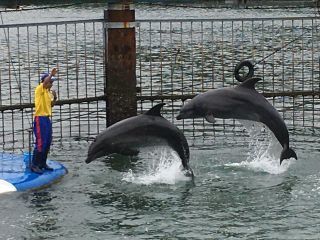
30, 130
120, 66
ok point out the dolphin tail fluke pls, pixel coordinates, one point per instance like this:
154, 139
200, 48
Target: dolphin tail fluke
188, 172
287, 153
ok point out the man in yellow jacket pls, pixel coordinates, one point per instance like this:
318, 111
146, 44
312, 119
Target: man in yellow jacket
45, 99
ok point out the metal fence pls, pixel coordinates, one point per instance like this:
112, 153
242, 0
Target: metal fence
176, 59
26, 50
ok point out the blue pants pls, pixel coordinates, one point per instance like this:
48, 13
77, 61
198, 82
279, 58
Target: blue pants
42, 128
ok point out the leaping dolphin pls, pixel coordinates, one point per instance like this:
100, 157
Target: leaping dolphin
240, 102
125, 137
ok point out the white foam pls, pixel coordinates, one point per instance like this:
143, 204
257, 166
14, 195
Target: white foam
164, 167
263, 154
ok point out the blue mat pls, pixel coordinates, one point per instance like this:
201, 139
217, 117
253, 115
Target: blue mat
15, 174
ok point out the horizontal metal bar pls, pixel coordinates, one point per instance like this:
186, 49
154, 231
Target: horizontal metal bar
162, 20
189, 96
168, 97
292, 94
50, 23
58, 103
228, 19
152, 98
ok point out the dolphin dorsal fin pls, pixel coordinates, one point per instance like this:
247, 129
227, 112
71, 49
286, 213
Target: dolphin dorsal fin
250, 83
155, 110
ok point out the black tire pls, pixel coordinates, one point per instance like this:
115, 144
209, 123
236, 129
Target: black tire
245, 63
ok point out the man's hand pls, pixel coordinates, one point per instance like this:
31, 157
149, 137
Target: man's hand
54, 71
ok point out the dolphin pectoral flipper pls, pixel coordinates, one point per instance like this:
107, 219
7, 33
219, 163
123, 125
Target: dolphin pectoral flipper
210, 118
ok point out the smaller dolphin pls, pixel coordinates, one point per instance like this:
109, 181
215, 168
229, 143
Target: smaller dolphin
125, 137
240, 102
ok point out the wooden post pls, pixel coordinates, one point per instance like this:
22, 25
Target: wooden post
120, 61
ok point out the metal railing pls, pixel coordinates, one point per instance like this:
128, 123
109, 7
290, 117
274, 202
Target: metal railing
26, 50
180, 58
176, 59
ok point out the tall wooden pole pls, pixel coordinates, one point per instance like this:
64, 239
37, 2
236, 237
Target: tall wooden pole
120, 61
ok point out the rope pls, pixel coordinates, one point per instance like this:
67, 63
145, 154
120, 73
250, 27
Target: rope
278, 49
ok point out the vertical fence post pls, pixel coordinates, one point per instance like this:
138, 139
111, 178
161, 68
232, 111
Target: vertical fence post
120, 47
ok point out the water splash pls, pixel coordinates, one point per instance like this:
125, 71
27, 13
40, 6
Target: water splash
263, 151
163, 166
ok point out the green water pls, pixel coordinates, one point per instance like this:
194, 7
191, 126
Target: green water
239, 192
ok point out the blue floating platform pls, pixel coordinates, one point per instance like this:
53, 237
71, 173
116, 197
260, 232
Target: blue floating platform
15, 174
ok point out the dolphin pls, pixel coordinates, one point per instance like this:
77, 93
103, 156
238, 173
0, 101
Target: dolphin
127, 136
240, 102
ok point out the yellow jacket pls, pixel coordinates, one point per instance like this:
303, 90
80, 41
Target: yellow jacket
42, 100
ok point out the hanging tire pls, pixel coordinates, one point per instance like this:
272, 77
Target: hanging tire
245, 63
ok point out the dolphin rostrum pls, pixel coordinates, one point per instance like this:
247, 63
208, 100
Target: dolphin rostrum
125, 137
240, 102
